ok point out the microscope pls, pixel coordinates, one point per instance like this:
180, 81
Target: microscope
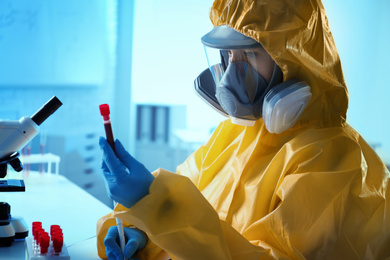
14, 135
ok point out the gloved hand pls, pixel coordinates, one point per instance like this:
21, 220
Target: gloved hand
127, 180
135, 240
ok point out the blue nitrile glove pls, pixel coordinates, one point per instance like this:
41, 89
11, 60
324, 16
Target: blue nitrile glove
127, 180
135, 240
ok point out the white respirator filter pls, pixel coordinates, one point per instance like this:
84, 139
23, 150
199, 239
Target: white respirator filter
284, 104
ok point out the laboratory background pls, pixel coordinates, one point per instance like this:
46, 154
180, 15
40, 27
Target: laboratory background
141, 58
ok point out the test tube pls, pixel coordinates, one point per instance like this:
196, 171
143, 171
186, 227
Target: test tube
105, 112
42, 150
28, 153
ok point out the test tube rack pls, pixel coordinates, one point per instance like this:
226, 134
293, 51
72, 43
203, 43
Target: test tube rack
42, 246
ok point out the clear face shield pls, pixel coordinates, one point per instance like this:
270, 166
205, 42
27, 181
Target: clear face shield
234, 83
220, 59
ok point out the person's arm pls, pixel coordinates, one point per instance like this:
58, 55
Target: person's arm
179, 220
127, 181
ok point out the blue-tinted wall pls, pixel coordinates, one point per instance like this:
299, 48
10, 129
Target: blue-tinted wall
361, 32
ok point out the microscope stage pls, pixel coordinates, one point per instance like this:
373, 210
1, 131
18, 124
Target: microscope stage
12, 185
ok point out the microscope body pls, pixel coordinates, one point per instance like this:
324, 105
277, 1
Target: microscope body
14, 135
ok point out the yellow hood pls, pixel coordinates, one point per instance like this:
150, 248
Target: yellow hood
297, 36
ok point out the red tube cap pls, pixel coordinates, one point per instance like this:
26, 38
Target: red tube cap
104, 110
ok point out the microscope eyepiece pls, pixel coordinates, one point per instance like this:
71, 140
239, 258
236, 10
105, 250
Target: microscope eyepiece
46, 110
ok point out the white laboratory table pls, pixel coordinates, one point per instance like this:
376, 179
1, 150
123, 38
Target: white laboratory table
53, 199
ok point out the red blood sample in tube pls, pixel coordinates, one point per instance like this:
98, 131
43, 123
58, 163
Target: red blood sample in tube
45, 242
58, 242
105, 112
36, 225
40, 234
54, 228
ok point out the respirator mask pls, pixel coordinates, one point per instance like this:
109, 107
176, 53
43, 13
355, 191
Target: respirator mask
233, 83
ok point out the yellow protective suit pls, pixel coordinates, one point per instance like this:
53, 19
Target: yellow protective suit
316, 191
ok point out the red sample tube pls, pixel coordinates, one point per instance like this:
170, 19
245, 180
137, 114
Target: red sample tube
105, 112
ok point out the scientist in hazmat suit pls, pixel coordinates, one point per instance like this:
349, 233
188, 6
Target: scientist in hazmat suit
285, 177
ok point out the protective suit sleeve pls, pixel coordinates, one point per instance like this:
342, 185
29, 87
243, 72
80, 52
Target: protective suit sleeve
178, 219
151, 251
